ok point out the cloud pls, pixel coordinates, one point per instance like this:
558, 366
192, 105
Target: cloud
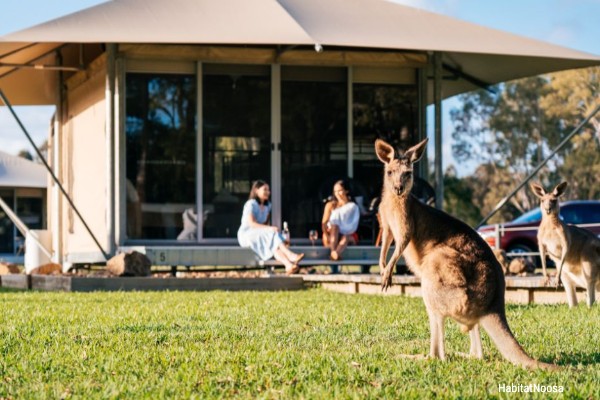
563, 33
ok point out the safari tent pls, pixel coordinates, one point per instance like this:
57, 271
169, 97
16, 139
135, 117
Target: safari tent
23, 189
173, 108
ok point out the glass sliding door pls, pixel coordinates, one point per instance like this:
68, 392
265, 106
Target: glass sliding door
236, 142
388, 112
160, 153
313, 142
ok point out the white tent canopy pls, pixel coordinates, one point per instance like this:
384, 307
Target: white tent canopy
18, 172
473, 53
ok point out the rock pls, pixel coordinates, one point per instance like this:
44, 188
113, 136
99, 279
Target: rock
129, 264
521, 266
47, 269
8, 268
502, 259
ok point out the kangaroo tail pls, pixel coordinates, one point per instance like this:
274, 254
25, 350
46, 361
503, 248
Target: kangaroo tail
497, 328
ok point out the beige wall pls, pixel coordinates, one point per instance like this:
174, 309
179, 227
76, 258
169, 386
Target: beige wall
84, 160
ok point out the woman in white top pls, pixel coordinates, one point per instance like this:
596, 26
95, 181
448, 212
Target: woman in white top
257, 234
340, 220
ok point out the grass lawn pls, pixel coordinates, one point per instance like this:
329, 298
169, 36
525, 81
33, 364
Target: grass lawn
312, 344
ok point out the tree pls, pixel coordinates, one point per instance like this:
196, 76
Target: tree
573, 96
509, 133
458, 196
512, 131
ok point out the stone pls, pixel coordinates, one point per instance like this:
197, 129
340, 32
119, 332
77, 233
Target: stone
47, 269
129, 264
9, 268
502, 259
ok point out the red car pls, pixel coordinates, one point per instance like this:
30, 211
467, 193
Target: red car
520, 235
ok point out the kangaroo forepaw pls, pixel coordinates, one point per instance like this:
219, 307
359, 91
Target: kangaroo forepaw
386, 280
557, 283
546, 280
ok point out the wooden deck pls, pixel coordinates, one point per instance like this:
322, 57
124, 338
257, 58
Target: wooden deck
519, 290
238, 256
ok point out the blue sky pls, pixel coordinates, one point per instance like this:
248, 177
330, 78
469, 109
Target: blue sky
564, 22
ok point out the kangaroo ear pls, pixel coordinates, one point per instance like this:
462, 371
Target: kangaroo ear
538, 190
415, 153
384, 151
560, 189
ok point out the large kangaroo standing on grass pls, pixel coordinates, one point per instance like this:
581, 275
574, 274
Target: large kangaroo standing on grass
460, 276
574, 250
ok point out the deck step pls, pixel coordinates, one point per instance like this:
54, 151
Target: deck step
238, 256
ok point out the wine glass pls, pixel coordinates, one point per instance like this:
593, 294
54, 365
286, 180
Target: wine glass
313, 235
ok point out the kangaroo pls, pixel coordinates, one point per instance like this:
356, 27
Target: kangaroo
460, 276
574, 250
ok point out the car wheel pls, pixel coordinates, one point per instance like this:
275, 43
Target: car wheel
518, 248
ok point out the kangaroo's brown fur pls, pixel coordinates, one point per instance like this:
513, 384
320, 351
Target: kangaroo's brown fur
460, 276
574, 250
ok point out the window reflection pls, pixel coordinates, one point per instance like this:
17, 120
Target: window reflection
7, 228
29, 206
314, 142
236, 144
388, 112
161, 153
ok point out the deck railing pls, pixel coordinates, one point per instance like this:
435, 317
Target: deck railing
500, 230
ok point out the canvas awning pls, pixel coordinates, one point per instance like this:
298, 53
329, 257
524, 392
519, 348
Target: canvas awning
472, 53
18, 172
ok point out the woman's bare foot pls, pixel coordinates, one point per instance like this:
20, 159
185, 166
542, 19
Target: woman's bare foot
334, 255
298, 258
292, 270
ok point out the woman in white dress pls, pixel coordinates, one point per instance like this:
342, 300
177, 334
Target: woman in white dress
340, 220
256, 234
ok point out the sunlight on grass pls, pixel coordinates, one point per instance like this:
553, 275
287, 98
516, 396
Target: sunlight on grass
309, 344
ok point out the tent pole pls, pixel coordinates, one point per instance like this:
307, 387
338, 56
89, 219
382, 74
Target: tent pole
437, 100
62, 189
56, 215
110, 146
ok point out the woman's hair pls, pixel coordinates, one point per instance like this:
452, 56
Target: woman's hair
257, 184
344, 184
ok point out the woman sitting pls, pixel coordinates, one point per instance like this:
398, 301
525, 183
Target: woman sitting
340, 220
255, 233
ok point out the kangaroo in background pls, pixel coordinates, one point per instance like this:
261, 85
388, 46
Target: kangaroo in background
460, 276
574, 249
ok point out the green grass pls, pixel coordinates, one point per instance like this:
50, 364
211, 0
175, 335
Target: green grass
312, 344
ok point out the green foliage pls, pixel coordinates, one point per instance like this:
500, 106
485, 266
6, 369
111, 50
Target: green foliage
25, 154
457, 199
312, 344
511, 132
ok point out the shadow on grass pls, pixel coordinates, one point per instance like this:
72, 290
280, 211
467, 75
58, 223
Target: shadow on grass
575, 359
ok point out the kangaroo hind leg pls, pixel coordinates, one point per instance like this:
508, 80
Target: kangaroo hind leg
436, 325
591, 292
476, 348
570, 290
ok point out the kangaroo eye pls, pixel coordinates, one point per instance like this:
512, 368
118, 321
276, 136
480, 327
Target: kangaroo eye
389, 173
